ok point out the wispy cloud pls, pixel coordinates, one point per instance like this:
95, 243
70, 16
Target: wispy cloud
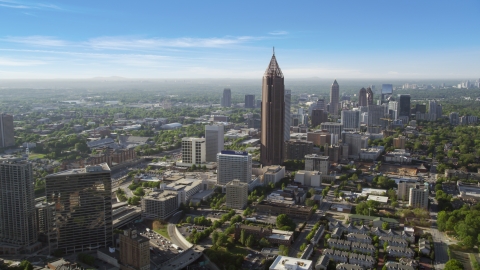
24, 5
121, 43
38, 41
19, 63
278, 33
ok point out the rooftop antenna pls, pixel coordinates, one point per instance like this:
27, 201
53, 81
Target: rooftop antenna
273, 50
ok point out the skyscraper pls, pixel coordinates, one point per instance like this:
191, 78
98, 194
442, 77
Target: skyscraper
273, 115
214, 140
318, 117
193, 151
362, 97
404, 106
226, 98
249, 101
288, 97
18, 230
334, 98
369, 96
134, 251
83, 207
7, 138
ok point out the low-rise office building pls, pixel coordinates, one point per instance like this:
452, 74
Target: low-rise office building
160, 204
237, 194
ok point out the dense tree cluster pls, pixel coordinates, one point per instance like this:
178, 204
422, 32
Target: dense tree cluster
464, 222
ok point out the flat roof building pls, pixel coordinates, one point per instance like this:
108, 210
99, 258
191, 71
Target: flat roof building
290, 263
134, 251
234, 165
160, 204
315, 162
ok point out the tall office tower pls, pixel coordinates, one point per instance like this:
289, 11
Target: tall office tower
193, 151
258, 103
333, 128
454, 119
369, 96
393, 110
214, 141
7, 138
315, 162
288, 97
403, 191
83, 207
321, 104
237, 194
362, 97
319, 117
421, 108
273, 115
18, 230
350, 119
134, 251
249, 101
404, 106
375, 113
226, 98
234, 165
334, 98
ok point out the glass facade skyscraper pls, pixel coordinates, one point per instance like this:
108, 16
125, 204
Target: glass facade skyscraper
83, 208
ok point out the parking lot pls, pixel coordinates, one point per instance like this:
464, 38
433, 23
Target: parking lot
161, 249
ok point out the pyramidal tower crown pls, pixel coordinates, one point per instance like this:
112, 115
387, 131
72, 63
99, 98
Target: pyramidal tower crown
273, 68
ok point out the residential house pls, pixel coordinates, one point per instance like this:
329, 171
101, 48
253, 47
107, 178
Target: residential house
359, 237
393, 241
400, 252
363, 260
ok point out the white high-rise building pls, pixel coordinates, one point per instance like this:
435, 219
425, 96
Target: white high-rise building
288, 97
350, 119
18, 230
393, 110
237, 194
234, 165
214, 139
193, 151
418, 197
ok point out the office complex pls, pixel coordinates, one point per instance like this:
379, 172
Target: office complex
404, 106
318, 117
350, 119
7, 138
333, 128
83, 207
214, 141
18, 229
134, 251
355, 142
226, 100
315, 162
249, 101
237, 194
288, 97
362, 97
234, 165
160, 204
297, 149
273, 115
334, 98
193, 151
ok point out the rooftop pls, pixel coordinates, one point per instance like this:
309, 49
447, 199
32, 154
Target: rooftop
100, 168
380, 199
284, 263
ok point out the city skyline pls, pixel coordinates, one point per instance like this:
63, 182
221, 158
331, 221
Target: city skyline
164, 40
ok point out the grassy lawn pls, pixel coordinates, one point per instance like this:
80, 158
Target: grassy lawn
237, 250
35, 156
163, 231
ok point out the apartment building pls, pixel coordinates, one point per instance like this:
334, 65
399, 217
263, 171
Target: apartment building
237, 194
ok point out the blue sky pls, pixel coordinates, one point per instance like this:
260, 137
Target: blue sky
404, 39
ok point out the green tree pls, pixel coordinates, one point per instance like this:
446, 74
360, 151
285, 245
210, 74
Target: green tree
285, 221
250, 241
243, 237
453, 265
385, 226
